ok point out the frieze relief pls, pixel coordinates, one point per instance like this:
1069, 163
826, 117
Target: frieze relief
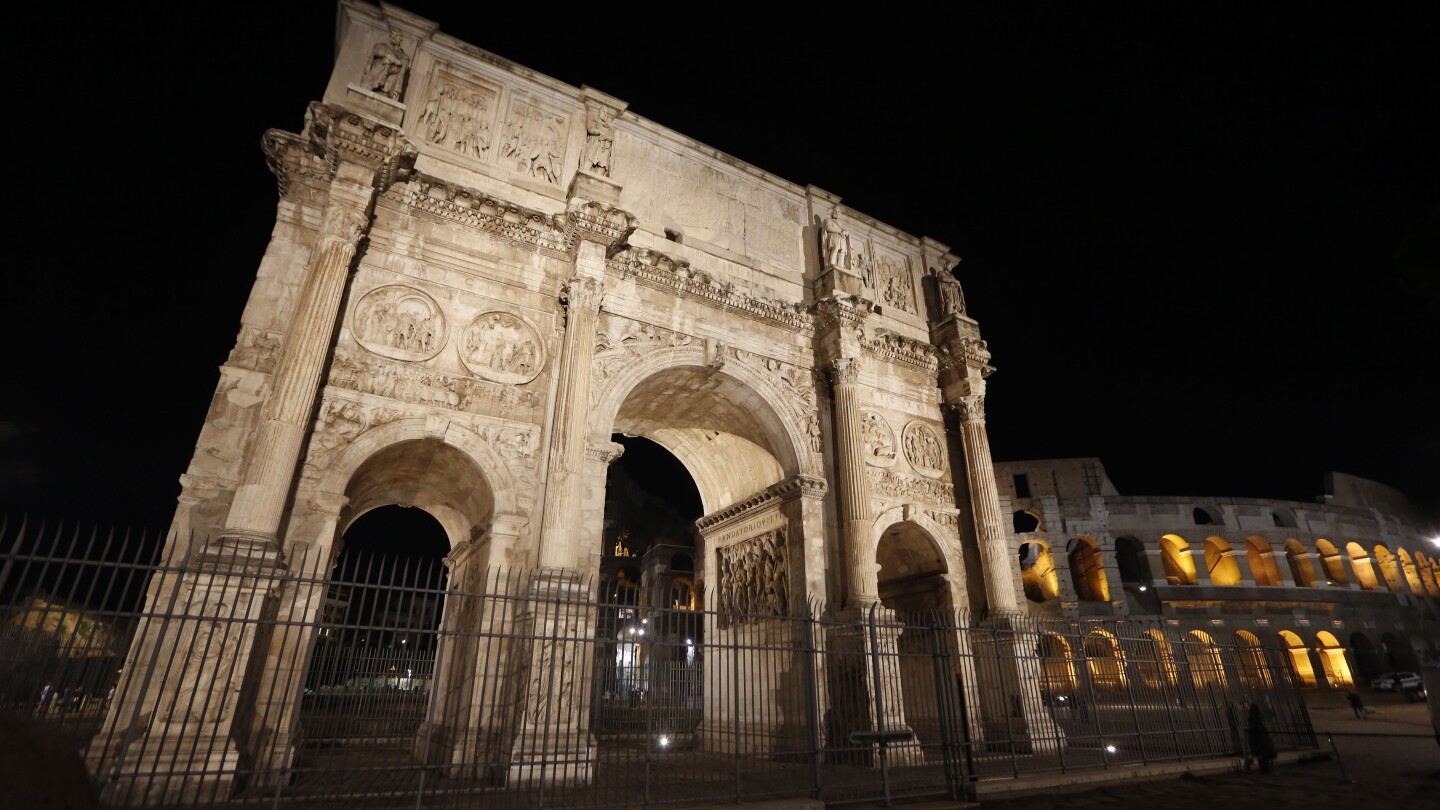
898, 486
924, 450
418, 385
948, 520
460, 116
533, 142
233, 413
619, 340
796, 381
879, 439
257, 350
339, 422
503, 348
754, 579
399, 322
667, 273
514, 443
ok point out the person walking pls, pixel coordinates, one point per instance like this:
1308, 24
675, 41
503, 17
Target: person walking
47, 696
1357, 704
1262, 747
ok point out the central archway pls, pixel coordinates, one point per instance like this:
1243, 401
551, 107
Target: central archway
747, 563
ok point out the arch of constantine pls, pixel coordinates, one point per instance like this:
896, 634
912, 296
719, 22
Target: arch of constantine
481, 280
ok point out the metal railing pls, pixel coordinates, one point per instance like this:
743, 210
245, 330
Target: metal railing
189, 680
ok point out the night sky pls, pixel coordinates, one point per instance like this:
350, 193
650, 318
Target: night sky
1202, 240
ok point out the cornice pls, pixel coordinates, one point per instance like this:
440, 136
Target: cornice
800, 486
338, 134
965, 354
894, 348
484, 212
666, 273
288, 158
597, 222
844, 310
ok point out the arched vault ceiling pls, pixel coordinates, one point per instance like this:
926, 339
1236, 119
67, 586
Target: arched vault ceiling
725, 467
426, 474
906, 551
729, 438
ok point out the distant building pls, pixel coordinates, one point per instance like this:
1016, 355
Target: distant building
1348, 585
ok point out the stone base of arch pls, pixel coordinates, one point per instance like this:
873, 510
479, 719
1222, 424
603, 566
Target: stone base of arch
555, 745
1006, 687
865, 722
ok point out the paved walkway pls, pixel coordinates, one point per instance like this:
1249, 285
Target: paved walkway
1391, 760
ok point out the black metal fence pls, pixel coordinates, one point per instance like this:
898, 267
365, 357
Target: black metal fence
184, 679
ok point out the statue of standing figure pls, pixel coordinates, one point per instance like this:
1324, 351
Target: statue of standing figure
387, 67
952, 296
599, 140
837, 243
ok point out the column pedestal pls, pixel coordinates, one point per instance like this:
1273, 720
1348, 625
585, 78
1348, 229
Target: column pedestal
865, 724
172, 741
555, 745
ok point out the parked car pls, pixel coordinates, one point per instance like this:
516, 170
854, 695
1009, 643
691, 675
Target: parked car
1408, 680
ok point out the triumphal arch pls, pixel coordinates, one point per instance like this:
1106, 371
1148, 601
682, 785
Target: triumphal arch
477, 277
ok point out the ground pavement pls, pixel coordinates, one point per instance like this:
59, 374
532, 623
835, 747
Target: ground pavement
1390, 760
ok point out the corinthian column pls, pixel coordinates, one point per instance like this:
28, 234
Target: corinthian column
985, 500
855, 517
560, 524
260, 498
366, 157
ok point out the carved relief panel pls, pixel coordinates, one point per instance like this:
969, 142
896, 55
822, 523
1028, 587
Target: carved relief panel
753, 579
533, 141
460, 115
879, 440
894, 286
924, 450
501, 347
399, 322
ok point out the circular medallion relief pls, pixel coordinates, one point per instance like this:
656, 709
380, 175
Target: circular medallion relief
924, 450
499, 347
879, 440
399, 322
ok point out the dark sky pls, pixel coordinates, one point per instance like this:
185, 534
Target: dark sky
1202, 240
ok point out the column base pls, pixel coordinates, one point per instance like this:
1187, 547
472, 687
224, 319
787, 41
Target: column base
172, 772
555, 756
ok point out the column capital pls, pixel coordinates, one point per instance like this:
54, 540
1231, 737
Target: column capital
343, 223
581, 293
844, 371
